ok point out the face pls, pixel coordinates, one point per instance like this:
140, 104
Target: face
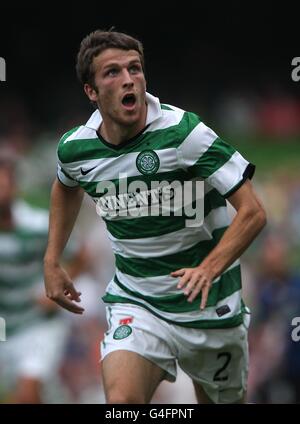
7, 187
121, 87
274, 255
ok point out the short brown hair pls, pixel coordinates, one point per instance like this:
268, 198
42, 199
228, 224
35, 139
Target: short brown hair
98, 41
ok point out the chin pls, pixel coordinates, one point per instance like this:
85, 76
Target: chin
129, 120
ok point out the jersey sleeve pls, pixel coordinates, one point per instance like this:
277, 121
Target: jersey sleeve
203, 154
65, 178
62, 154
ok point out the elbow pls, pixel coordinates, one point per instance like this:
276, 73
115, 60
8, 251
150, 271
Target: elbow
260, 218
256, 217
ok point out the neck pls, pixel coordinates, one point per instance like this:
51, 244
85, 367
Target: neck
116, 134
6, 218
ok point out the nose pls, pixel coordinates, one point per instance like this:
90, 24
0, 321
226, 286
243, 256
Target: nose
127, 79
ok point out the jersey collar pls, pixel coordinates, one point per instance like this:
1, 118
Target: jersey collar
153, 112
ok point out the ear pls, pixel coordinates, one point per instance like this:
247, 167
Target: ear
91, 92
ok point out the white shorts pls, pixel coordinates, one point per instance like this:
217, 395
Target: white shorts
217, 359
34, 353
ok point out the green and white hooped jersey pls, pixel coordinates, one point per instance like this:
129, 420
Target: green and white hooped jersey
174, 146
21, 267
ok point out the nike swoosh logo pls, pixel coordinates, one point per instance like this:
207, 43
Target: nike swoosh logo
84, 172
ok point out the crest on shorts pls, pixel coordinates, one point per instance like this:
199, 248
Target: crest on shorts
147, 162
122, 332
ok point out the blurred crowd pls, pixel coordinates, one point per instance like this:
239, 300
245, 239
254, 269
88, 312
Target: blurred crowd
271, 267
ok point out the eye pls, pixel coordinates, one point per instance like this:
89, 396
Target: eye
134, 69
112, 72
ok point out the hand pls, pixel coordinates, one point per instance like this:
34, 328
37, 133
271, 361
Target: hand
195, 280
60, 289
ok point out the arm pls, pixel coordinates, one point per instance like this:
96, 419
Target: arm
65, 206
248, 222
78, 263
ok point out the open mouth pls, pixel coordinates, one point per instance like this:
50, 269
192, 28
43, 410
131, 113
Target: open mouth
129, 100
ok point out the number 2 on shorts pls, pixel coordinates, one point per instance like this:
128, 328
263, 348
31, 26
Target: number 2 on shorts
217, 376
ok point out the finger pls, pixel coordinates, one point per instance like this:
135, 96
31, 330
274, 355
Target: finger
191, 284
184, 280
71, 297
205, 291
67, 292
66, 303
74, 294
178, 273
195, 293
200, 284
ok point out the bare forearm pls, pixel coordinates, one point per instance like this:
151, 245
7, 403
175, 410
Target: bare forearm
65, 206
248, 222
242, 231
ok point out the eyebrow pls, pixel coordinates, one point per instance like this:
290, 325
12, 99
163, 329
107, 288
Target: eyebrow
132, 62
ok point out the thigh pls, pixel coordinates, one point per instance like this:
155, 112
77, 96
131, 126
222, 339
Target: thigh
28, 390
136, 352
218, 364
130, 378
203, 398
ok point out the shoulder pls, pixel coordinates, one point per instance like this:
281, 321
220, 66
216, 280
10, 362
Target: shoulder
183, 119
173, 118
71, 142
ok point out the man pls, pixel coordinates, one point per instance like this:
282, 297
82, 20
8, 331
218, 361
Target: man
176, 294
36, 331
278, 306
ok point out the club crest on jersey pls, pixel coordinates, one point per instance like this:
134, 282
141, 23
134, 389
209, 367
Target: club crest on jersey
147, 162
122, 332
